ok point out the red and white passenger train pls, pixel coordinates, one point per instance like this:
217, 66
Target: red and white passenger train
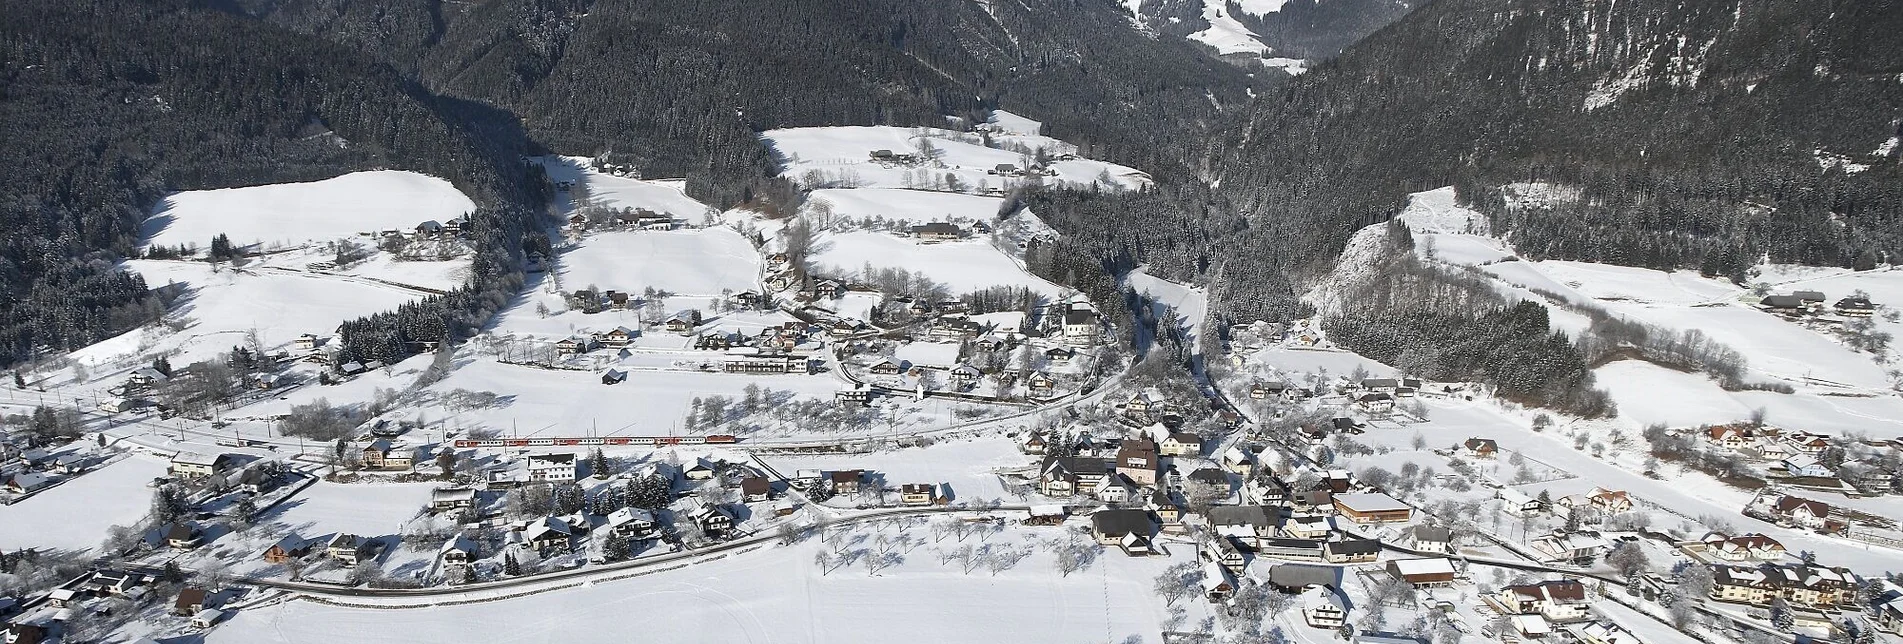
715, 439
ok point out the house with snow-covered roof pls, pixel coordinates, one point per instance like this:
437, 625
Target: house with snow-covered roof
1805, 465
1561, 600
1322, 607
1744, 547
1569, 546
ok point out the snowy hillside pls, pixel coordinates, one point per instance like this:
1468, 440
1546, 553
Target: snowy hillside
914, 206
291, 213
221, 306
1777, 350
687, 262
963, 266
614, 191
843, 157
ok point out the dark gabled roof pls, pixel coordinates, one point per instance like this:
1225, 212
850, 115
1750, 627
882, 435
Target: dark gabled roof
1855, 303
1076, 464
1355, 546
181, 531
1209, 475
1122, 522
1808, 296
190, 597
1790, 504
1253, 515
935, 228
1300, 576
1290, 544
1782, 302
1080, 317
1430, 533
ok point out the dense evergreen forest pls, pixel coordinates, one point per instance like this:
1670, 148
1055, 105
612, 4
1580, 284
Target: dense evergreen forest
1690, 131
108, 105
683, 88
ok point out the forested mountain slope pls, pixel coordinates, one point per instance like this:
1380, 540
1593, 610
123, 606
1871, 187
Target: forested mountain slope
682, 88
1690, 132
108, 105
1304, 29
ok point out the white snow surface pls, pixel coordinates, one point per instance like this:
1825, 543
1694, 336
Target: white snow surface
775, 594
907, 205
1227, 34
363, 509
686, 262
74, 515
561, 403
298, 212
1439, 211
221, 306
1294, 66
1188, 302
963, 266
839, 156
624, 192
1016, 124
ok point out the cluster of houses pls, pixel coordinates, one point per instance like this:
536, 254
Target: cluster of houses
1803, 586
29, 470
1803, 304
1718, 547
45, 619
427, 229
1796, 511
950, 349
625, 218
1142, 478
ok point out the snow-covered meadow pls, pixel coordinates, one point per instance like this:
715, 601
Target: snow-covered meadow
291, 213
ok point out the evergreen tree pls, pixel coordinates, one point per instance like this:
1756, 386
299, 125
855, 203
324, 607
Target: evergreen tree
649, 493
568, 497
509, 565
598, 464
168, 504
247, 511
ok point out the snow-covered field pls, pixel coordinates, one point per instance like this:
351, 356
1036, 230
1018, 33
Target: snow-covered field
75, 514
777, 594
1189, 303
290, 213
363, 509
624, 192
1685, 496
961, 265
686, 262
964, 469
1225, 33
222, 305
1839, 389
1775, 348
840, 156
1642, 285
917, 206
573, 403
1334, 362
